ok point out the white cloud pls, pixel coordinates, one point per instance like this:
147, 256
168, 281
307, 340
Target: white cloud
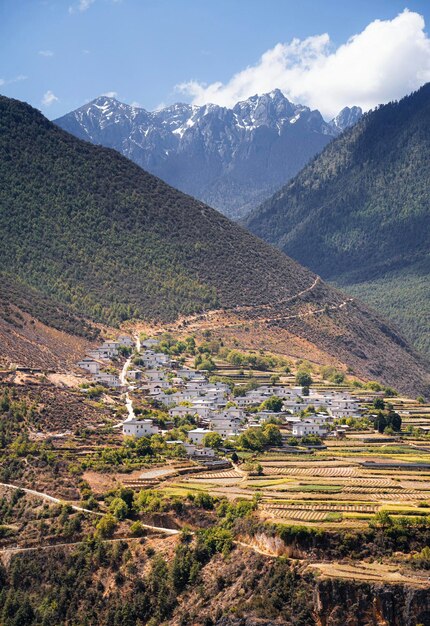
83, 5
49, 98
46, 53
387, 60
136, 104
110, 94
17, 79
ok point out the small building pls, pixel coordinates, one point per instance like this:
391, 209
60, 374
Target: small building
149, 343
181, 411
125, 340
139, 428
134, 374
111, 380
91, 366
307, 427
193, 451
197, 435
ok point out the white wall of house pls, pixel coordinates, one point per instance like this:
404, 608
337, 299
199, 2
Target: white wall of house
301, 429
91, 366
139, 428
197, 435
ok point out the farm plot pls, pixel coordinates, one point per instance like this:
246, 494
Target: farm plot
300, 515
211, 476
344, 508
328, 472
382, 483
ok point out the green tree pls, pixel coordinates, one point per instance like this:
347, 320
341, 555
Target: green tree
213, 440
119, 508
304, 379
272, 404
272, 434
106, 526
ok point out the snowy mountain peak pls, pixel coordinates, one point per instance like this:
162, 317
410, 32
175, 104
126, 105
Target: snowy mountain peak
232, 158
347, 117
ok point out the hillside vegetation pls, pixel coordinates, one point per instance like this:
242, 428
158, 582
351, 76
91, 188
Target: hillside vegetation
91, 231
89, 228
359, 213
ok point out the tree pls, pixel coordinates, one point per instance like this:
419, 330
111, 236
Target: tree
119, 508
378, 403
394, 420
106, 526
380, 422
272, 404
213, 440
383, 519
272, 434
137, 530
304, 379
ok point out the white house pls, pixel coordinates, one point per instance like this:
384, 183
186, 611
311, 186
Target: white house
197, 435
149, 343
139, 428
193, 450
181, 411
93, 367
126, 340
111, 380
307, 427
134, 374
99, 353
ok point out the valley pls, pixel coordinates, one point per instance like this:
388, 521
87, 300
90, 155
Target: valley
195, 428
358, 215
229, 158
331, 514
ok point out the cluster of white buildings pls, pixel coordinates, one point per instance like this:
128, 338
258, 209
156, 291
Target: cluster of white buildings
188, 392
100, 358
185, 391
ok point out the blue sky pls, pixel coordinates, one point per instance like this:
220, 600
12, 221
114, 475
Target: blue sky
58, 54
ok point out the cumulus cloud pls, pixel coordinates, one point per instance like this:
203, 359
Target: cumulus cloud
49, 98
110, 94
387, 60
46, 53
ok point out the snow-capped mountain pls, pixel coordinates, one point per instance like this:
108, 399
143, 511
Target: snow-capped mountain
231, 159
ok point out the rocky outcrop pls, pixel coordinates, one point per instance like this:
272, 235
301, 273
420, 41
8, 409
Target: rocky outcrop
349, 603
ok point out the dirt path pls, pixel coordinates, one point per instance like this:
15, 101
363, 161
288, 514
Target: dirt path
45, 496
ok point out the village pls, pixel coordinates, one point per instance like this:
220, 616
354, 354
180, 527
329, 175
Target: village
308, 415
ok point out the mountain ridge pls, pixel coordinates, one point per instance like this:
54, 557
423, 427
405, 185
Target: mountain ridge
358, 212
92, 231
230, 158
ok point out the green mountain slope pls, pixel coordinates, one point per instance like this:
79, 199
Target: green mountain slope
359, 213
88, 227
90, 230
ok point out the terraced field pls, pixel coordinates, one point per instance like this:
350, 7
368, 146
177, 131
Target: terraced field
329, 486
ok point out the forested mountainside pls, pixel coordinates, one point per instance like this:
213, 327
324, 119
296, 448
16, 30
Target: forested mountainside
359, 213
232, 159
91, 230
